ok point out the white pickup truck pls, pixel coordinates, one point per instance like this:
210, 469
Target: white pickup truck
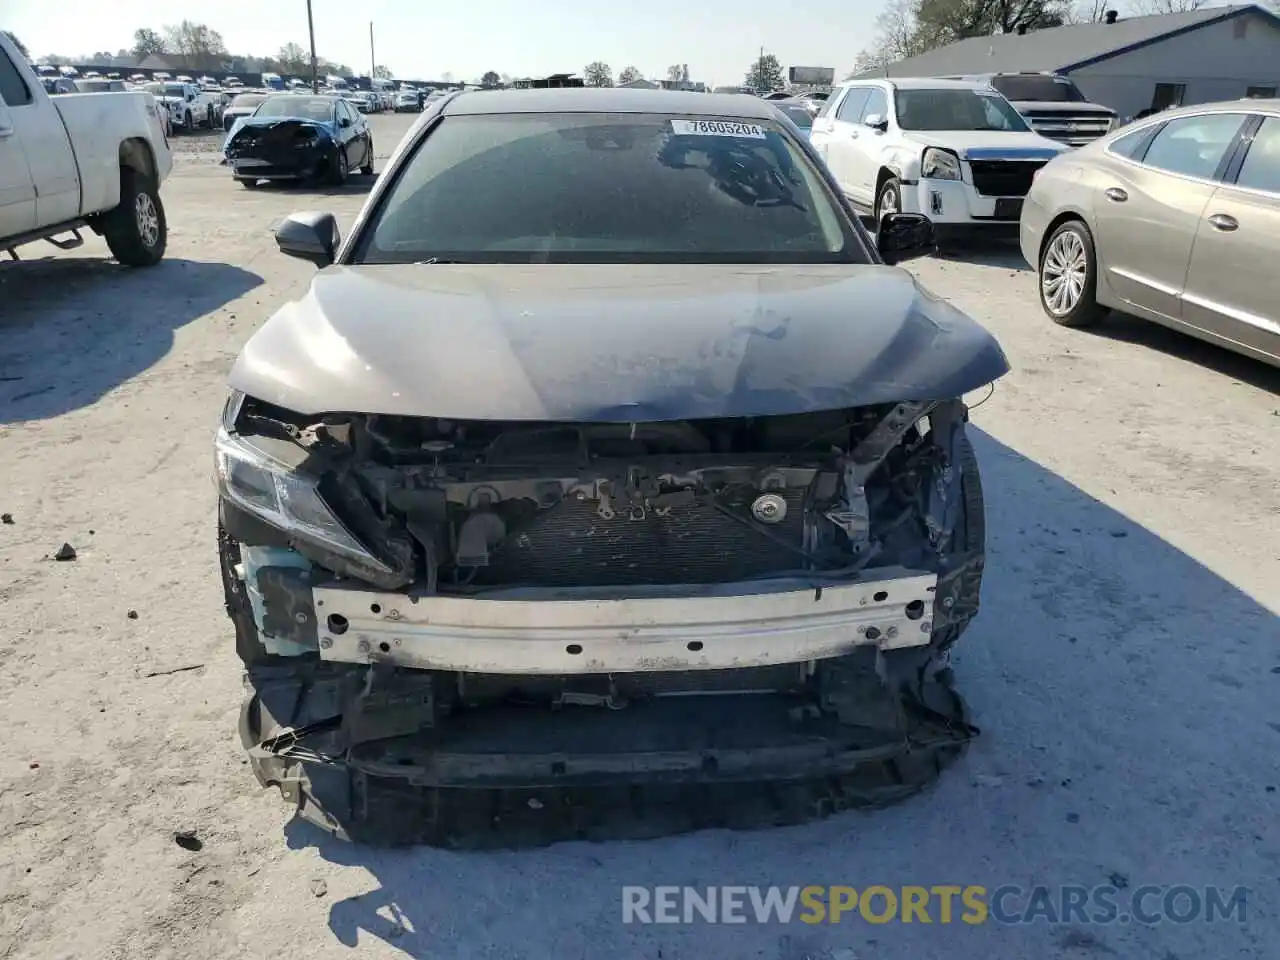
80, 160
190, 106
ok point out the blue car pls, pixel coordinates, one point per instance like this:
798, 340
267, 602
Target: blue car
299, 137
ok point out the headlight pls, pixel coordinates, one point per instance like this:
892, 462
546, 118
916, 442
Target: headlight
283, 497
306, 143
1114, 124
939, 164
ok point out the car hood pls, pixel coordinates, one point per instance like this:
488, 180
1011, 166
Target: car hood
988, 143
612, 342
1056, 106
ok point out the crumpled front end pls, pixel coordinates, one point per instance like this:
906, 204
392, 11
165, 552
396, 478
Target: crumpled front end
489, 633
282, 149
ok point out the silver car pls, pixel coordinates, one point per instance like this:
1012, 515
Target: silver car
1175, 219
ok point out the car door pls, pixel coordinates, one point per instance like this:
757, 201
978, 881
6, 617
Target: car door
1233, 281
349, 132
843, 126
864, 150
1147, 209
38, 174
17, 186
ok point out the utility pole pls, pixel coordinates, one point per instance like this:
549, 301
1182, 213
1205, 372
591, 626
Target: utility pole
311, 30
373, 61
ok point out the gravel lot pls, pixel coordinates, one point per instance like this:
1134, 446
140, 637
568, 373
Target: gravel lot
1125, 669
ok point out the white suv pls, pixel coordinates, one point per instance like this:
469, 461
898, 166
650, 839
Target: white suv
956, 151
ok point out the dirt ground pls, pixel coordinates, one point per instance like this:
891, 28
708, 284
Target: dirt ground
1125, 668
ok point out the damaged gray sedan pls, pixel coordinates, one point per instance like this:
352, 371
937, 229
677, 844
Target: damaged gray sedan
608, 480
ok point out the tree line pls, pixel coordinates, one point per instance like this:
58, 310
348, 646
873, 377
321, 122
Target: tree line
196, 46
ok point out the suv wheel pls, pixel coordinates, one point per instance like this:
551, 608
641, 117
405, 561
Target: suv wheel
1068, 277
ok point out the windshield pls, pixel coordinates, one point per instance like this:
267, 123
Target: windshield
1043, 89
613, 188
802, 117
956, 109
305, 108
174, 90
246, 100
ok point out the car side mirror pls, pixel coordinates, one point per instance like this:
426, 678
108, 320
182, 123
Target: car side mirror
876, 122
310, 236
344, 122
903, 236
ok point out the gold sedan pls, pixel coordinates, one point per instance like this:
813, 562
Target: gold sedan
1174, 218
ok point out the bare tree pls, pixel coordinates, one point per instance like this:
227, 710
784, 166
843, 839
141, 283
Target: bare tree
629, 75
947, 20
1089, 11
1155, 7
291, 58
196, 44
146, 42
598, 74
899, 35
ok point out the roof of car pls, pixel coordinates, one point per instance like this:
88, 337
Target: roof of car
610, 99
926, 83
1243, 105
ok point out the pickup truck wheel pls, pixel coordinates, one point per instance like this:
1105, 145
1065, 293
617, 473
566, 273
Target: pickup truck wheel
136, 230
186, 121
209, 118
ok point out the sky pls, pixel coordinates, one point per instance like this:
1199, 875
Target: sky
718, 39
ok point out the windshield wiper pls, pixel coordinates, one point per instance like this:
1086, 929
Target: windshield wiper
439, 260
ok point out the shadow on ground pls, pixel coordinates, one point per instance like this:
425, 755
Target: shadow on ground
1128, 698
357, 184
991, 252
1130, 329
73, 329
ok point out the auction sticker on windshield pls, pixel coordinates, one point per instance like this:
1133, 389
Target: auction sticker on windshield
718, 128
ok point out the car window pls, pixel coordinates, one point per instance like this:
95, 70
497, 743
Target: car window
13, 88
877, 105
1261, 168
954, 108
1038, 87
1131, 145
614, 188
306, 108
1193, 146
799, 115
850, 110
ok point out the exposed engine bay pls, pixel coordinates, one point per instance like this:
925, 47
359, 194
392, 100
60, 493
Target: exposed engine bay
435, 602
